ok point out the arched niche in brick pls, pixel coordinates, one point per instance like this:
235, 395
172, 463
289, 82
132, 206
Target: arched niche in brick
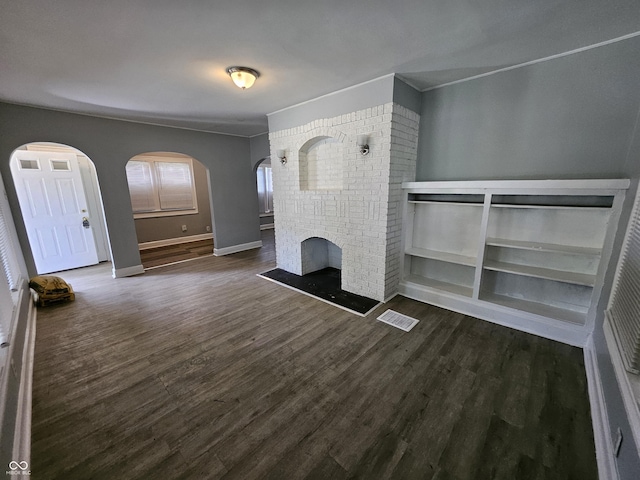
321, 164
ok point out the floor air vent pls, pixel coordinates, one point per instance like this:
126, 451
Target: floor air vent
398, 320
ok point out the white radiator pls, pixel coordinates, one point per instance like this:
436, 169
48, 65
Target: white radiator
623, 313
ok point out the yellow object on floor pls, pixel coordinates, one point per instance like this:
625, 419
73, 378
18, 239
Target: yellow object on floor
51, 289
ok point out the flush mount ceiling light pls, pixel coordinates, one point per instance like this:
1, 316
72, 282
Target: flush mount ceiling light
243, 77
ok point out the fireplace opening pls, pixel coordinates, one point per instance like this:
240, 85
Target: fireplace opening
319, 253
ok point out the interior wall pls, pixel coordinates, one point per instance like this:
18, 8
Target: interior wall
570, 117
110, 144
163, 228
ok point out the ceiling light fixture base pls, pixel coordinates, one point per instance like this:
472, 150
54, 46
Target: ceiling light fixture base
243, 77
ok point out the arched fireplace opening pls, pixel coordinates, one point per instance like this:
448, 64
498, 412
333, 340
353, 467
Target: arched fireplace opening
319, 253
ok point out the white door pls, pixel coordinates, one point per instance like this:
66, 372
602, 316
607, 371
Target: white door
54, 209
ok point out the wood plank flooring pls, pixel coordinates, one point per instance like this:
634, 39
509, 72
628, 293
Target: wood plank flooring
154, 257
202, 370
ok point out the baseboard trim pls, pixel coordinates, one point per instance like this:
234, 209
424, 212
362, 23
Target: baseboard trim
575, 335
127, 271
626, 390
607, 467
22, 432
219, 252
174, 241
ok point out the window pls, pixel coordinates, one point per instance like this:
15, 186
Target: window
622, 325
265, 188
161, 186
9, 270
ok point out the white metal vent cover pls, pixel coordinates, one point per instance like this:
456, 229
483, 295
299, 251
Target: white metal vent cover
398, 320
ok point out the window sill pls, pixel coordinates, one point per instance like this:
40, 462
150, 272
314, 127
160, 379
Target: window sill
168, 213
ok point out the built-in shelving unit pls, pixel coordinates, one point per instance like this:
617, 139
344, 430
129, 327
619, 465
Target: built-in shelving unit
527, 254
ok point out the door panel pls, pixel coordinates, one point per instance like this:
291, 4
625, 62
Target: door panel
53, 203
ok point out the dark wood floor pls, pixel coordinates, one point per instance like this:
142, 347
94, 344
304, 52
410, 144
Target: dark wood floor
202, 370
154, 257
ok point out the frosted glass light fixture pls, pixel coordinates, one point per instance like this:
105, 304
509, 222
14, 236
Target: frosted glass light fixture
243, 77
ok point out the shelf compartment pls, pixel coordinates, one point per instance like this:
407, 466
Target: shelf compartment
533, 294
434, 202
445, 227
578, 227
451, 277
577, 317
542, 247
543, 273
553, 201
440, 285
454, 199
442, 256
554, 207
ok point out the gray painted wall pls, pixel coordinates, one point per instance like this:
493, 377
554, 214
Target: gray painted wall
110, 144
162, 228
571, 117
259, 149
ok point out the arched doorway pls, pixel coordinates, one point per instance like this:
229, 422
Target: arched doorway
264, 184
60, 202
171, 203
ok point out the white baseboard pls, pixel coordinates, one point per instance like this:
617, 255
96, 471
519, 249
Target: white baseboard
218, 252
127, 271
607, 468
575, 335
22, 432
267, 226
624, 383
174, 241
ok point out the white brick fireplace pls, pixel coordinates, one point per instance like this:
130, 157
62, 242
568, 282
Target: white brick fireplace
334, 206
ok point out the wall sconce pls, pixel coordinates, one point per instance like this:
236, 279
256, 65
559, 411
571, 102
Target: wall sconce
363, 143
243, 77
282, 155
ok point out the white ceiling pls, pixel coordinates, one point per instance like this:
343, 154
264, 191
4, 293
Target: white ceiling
163, 62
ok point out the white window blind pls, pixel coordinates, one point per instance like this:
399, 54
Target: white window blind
160, 186
624, 307
9, 273
141, 187
175, 185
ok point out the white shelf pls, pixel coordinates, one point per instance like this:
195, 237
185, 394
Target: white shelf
442, 256
542, 247
552, 207
457, 204
545, 266
439, 285
539, 272
577, 317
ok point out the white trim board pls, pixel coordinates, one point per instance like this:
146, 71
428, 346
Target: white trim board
174, 241
607, 467
22, 432
626, 390
571, 334
219, 252
127, 271
267, 226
